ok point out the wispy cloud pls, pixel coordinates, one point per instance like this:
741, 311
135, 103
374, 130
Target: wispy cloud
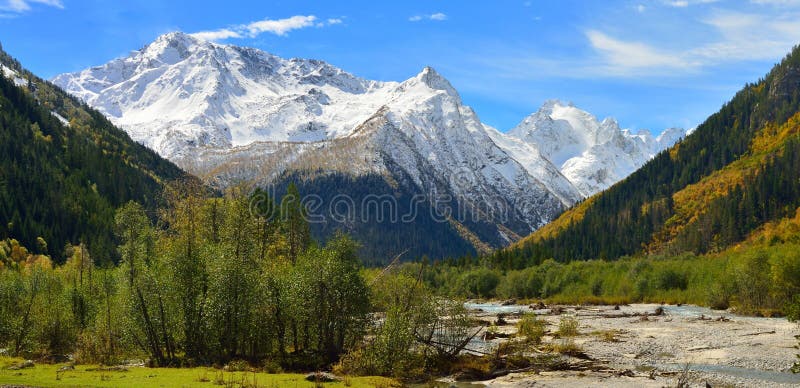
438, 16
737, 36
713, 38
623, 56
776, 2
686, 3
21, 6
280, 27
333, 21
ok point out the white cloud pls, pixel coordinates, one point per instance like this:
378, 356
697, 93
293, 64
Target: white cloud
279, 27
438, 16
217, 34
640, 8
20, 6
625, 57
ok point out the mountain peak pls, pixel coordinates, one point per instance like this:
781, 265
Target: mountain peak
176, 36
176, 39
430, 77
550, 104
171, 47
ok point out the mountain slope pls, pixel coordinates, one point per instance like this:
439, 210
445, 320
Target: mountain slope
427, 146
64, 168
738, 171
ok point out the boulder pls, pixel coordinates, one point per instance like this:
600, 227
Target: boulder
323, 377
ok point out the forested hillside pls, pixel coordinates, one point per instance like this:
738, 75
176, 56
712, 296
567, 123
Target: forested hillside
739, 170
386, 221
64, 168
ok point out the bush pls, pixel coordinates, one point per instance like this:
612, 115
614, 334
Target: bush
568, 327
719, 297
568, 347
608, 335
532, 328
237, 366
272, 367
671, 279
478, 283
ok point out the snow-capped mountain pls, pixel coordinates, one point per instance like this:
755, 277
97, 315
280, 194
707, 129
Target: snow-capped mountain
179, 93
228, 113
592, 154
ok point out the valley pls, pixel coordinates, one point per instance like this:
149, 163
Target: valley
361, 196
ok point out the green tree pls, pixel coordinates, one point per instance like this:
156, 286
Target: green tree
144, 289
188, 259
295, 222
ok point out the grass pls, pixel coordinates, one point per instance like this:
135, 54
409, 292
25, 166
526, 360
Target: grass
607, 335
45, 375
567, 347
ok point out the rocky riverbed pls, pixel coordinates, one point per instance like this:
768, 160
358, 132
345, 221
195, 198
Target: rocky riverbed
649, 345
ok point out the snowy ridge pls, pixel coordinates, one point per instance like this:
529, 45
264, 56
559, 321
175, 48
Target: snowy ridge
591, 154
228, 113
179, 92
13, 76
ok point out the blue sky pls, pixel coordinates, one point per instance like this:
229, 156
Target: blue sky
651, 64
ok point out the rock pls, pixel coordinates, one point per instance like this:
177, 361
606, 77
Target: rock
538, 306
509, 302
113, 368
626, 373
323, 377
23, 365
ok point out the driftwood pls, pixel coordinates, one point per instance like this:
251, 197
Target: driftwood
446, 349
758, 333
388, 267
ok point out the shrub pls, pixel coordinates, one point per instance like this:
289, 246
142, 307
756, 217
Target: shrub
532, 328
568, 327
608, 335
237, 366
272, 366
478, 283
568, 347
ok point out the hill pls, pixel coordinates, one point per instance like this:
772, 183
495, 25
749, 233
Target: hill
64, 168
